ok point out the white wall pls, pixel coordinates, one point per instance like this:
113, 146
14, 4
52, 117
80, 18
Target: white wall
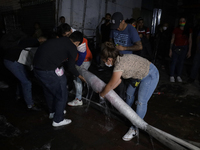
85, 15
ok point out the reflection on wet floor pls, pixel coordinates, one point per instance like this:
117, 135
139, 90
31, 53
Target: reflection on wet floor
98, 126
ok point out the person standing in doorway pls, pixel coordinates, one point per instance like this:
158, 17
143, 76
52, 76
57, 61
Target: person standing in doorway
144, 34
180, 47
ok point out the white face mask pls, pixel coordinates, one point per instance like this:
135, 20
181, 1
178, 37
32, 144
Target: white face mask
108, 65
164, 28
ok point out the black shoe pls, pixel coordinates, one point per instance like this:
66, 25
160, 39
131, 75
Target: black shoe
34, 108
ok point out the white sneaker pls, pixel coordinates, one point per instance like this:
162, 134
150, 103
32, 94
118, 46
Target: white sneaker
75, 102
130, 134
172, 79
62, 123
51, 115
179, 79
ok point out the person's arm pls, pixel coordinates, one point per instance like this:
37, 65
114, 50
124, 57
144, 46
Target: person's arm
171, 44
147, 33
112, 84
136, 47
82, 78
81, 54
81, 58
190, 45
70, 63
148, 36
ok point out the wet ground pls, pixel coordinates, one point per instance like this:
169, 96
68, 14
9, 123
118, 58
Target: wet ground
173, 108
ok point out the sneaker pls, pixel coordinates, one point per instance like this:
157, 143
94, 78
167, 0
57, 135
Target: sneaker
130, 134
62, 123
179, 79
33, 108
75, 102
3, 85
51, 115
172, 79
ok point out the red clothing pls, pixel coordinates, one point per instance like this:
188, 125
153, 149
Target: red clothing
180, 39
88, 56
144, 31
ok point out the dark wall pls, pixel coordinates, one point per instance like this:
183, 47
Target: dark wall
42, 13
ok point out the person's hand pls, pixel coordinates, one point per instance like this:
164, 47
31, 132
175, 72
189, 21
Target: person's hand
170, 53
121, 48
82, 79
188, 54
140, 35
101, 99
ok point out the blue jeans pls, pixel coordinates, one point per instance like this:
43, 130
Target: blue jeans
21, 74
55, 92
145, 90
78, 82
195, 66
178, 61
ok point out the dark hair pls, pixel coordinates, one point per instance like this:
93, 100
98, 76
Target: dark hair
108, 14
127, 21
62, 29
61, 17
110, 51
132, 20
139, 18
76, 36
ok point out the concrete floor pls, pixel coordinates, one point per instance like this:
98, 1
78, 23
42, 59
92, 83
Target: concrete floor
176, 111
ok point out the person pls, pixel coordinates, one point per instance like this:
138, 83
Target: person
62, 19
105, 36
105, 28
19, 70
162, 43
143, 31
180, 48
196, 62
131, 67
127, 41
38, 31
144, 34
83, 60
131, 21
64, 30
48, 68
124, 35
